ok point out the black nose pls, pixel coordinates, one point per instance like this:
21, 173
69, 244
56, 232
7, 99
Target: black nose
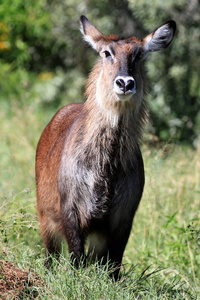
125, 86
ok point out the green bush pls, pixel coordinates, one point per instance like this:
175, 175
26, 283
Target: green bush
42, 36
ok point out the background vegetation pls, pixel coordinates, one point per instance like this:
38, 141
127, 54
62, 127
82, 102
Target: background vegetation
43, 66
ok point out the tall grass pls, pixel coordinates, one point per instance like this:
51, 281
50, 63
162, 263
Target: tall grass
162, 258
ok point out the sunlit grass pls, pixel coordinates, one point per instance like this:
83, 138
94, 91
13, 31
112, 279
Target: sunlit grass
166, 230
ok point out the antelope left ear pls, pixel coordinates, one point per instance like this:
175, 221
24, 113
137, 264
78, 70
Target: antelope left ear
90, 33
160, 38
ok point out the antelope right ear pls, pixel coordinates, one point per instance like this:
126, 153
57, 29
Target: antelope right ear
90, 33
160, 38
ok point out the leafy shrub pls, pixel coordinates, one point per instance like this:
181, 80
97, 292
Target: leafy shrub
42, 36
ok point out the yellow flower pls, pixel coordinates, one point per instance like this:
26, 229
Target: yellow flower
46, 75
4, 45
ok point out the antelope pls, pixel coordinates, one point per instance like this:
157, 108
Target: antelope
89, 167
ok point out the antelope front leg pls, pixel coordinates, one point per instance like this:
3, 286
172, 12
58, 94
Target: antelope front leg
117, 243
74, 236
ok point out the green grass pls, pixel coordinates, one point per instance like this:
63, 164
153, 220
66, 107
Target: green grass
162, 258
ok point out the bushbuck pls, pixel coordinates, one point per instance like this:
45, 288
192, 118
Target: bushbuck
89, 168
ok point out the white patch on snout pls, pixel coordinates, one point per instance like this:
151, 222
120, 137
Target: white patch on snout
128, 94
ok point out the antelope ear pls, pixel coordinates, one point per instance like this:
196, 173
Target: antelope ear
160, 38
90, 33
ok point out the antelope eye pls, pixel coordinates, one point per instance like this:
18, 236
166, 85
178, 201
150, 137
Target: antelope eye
107, 53
138, 55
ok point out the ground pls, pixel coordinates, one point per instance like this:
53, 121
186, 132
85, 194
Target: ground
16, 283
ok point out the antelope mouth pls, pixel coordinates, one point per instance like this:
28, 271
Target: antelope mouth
125, 97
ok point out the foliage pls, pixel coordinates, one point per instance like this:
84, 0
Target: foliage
41, 38
175, 73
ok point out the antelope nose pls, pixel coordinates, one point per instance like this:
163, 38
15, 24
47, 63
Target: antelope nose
124, 85
130, 85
